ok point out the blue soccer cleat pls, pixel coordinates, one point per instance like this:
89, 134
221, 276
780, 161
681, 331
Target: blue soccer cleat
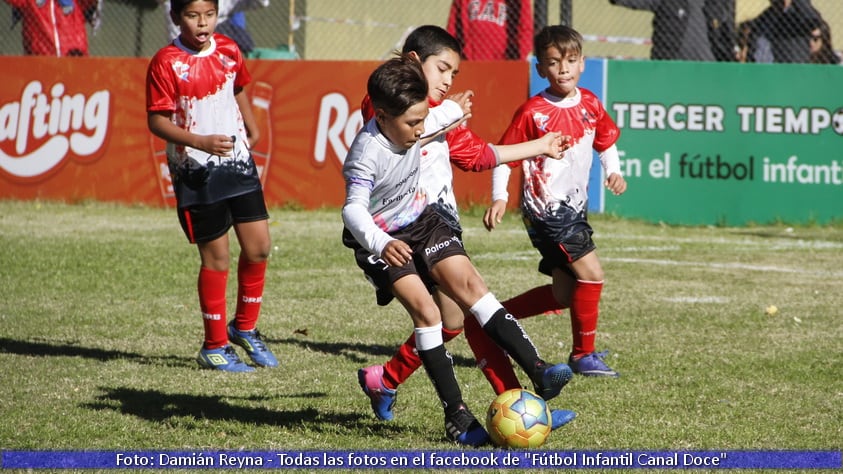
463, 428
554, 379
222, 358
560, 418
592, 365
254, 345
382, 398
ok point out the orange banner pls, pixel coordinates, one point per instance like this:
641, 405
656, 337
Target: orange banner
74, 129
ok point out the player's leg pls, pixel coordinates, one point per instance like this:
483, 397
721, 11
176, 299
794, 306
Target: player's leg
405, 361
251, 225
460, 280
460, 425
208, 227
380, 382
585, 300
533, 302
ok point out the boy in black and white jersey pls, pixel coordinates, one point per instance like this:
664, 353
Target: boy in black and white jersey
386, 214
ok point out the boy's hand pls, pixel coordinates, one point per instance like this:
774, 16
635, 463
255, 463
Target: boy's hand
555, 144
220, 145
616, 184
494, 214
397, 253
464, 101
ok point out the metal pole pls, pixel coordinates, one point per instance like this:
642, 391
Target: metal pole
566, 12
539, 15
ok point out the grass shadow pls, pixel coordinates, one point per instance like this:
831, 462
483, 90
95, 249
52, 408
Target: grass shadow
157, 406
65, 349
353, 351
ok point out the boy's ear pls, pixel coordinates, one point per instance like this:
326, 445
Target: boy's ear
539, 70
174, 16
414, 55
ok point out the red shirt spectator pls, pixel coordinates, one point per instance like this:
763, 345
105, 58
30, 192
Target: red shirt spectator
492, 29
54, 27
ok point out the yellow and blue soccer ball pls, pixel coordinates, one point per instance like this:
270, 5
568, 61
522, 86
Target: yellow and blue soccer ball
518, 418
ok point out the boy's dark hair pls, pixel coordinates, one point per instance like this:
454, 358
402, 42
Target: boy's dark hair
177, 6
564, 38
397, 84
428, 40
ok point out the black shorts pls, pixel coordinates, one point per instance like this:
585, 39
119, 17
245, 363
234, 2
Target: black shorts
206, 222
431, 239
561, 239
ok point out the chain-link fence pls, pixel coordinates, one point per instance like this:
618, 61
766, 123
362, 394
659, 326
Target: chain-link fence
751, 30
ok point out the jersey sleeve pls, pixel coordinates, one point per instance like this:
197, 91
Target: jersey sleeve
469, 152
517, 132
160, 86
606, 132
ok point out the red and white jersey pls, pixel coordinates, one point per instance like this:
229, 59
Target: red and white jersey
198, 87
551, 183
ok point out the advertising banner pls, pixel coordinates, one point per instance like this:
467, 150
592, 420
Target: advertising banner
75, 129
728, 143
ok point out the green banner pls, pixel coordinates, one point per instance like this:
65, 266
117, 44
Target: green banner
728, 143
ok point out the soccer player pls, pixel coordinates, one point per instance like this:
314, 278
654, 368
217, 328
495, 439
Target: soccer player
439, 53
196, 102
386, 215
555, 192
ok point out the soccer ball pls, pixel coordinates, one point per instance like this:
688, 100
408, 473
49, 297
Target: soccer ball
518, 418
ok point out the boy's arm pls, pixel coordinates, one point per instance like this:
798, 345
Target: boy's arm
610, 159
446, 116
249, 122
161, 126
500, 196
551, 145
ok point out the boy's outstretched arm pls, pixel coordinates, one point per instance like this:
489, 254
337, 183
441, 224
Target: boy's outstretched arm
551, 145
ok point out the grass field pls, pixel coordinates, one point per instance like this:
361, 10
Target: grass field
100, 328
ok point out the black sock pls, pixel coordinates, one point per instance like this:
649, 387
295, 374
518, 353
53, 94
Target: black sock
440, 369
507, 333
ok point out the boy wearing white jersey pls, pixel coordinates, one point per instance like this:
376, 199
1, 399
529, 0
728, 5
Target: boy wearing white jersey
386, 212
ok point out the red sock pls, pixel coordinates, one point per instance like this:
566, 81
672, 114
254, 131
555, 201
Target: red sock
491, 359
406, 360
538, 300
584, 311
211, 288
250, 280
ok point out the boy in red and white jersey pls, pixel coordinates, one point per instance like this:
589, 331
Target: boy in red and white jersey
555, 192
196, 102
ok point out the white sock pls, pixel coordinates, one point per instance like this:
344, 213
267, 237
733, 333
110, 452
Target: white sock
429, 337
485, 308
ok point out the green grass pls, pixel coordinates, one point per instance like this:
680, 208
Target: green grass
100, 327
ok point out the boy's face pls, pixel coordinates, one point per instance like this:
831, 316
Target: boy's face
197, 23
561, 71
440, 71
403, 130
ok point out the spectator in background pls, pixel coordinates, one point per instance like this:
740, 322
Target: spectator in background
492, 29
690, 29
785, 28
720, 18
55, 27
231, 21
821, 50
